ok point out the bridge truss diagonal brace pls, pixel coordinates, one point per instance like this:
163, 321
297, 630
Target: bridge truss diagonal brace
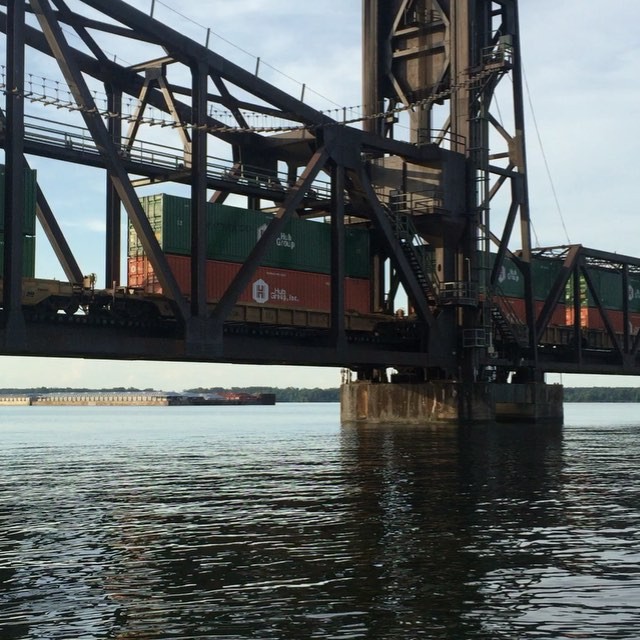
43, 210
557, 289
81, 29
56, 239
605, 316
230, 101
77, 85
503, 244
155, 76
283, 213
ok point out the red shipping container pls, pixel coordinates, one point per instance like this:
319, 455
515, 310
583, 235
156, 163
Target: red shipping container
269, 286
512, 308
558, 316
516, 307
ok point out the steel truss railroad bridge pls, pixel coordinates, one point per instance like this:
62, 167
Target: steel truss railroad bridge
441, 204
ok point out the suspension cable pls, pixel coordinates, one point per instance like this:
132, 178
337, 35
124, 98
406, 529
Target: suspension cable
544, 157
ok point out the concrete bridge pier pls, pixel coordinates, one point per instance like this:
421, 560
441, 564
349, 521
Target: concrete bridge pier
449, 402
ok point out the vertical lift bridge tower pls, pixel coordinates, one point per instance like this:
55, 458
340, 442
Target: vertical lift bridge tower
448, 73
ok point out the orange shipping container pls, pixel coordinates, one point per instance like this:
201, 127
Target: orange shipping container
269, 286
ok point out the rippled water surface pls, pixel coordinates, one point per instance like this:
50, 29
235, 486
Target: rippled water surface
277, 523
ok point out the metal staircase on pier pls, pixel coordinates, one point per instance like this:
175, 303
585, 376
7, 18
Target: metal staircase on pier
513, 331
417, 255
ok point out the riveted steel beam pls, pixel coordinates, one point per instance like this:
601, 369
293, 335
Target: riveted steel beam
14, 176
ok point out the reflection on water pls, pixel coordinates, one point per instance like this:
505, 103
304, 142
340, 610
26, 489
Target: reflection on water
253, 522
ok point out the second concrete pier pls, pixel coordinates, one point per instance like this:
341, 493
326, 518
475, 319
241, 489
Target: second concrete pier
449, 402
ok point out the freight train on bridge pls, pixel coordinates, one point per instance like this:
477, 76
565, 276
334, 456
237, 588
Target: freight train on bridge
292, 287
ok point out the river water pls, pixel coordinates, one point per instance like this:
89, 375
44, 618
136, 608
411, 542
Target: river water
278, 523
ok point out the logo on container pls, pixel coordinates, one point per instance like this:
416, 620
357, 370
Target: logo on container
508, 274
281, 295
260, 291
283, 240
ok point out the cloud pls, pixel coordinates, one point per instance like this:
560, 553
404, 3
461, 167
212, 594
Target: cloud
579, 71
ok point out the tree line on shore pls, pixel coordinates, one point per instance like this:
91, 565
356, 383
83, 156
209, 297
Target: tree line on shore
602, 394
288, 394
297, 394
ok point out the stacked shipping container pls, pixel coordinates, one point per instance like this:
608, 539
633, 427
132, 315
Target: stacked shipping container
29, 222
607, 282
511, 286
294, 273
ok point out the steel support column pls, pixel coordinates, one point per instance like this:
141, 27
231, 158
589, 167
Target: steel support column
337, 256
14, 177
114, 219
199, 191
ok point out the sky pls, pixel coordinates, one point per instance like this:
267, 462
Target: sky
582, 104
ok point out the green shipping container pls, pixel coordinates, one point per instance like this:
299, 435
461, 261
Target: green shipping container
611, 292
302, 245
608, 285
510, 279
28, 256
357, 253
169, 217
232, 232
30, 198
544, 273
